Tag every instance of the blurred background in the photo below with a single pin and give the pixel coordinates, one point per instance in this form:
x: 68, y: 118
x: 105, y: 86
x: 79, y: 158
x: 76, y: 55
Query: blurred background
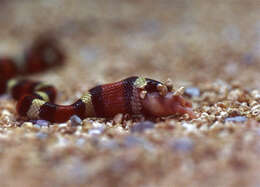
x: 186, y: 40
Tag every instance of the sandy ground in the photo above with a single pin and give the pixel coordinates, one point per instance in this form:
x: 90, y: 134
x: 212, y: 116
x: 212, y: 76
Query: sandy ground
x: 209, y: 47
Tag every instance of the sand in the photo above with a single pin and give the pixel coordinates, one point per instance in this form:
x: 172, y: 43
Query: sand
x: 211, y: 48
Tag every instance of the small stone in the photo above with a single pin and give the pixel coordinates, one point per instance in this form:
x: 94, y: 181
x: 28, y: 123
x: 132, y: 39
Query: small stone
x: 192, y: 92
x: 67, y: 130
x: 75, y: 120
x: 142, y: 126
x: 255, y: 94
x: 42, y: 123
x: 6, y: 112
x: 27, y: 124
x: 109, y: 144
x: 118, y: 118
x: 41, y: 135
x: 183, y: 144
x: 80, y: 142
x: 255, y: 110
x: 189, y: 127
x: 239, y: 119
x: 95, y: 131
x: 132, y: 141
x: 235, y: 94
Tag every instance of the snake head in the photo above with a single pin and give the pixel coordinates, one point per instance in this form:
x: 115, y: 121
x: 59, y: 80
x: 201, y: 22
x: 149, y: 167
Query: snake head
x: 156, y: 104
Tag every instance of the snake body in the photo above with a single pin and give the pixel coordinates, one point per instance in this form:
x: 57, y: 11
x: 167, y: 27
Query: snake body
x: 133, y: 95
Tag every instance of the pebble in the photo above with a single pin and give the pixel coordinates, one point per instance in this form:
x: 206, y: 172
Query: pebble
x: 132, y: 141
x: 75, y: 120
x: 41, y: 135
x: 6, y: 112
x: 98, y: 125
x: 239, y: 119
x: 42, y: 123
x: 80, y: 142
x: 95, y: 131
x: 192, y: 92
x: 109, y: 144
x: 142, y: 126
x: 190, y: 127
x: 182, y: 144
x: 118, y: 118
x: 27, y: 124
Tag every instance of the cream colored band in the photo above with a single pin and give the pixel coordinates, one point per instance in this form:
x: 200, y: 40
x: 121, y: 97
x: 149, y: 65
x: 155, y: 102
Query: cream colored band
x: 140, y: 82
x: 41, y: 85
x: 90, y: 111
x: 43, y: 95
x: 11, y: 83
x: 34, y: 110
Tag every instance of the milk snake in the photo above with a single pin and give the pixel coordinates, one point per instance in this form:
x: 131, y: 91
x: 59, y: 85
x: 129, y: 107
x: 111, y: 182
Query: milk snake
x: 133, y: 95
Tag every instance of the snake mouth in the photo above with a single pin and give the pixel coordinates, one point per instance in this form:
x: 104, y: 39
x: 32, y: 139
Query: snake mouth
x: 158, y: 105
x: 182, y: 106
x: 180, y: 109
